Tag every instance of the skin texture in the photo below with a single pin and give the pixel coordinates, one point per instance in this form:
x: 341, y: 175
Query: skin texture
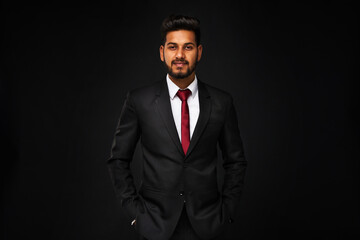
x: 180, y: 55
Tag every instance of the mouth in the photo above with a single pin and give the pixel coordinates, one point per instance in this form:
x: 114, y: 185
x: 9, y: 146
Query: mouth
x: 179, y: 64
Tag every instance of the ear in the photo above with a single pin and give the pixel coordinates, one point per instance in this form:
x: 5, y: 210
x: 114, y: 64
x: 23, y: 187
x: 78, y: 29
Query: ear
x: 161, y: 50
x: 199, y: 49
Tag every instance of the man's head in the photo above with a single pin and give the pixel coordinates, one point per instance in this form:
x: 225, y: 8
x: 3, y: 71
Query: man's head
x: 181, y: 48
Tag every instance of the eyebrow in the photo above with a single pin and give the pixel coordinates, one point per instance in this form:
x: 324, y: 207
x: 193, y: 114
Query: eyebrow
x: 188, y: 43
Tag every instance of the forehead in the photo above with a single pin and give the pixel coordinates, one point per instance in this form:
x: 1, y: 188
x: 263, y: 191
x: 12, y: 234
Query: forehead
x: 180, y: 36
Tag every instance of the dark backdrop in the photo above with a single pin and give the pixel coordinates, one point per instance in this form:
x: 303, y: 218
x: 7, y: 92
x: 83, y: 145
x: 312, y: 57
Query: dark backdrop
x: 291, y: 68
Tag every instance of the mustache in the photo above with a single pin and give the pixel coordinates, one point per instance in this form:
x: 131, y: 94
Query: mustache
x: 179, y: 61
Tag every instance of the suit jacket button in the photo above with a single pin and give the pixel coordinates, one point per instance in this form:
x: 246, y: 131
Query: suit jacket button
x: 181, y: 193
x: 231, y: 220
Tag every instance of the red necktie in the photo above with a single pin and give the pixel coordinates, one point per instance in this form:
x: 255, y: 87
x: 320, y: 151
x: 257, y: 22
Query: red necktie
x: 185, y: 123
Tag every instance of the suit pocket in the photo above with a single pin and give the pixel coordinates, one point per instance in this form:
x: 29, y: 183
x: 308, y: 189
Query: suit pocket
x: 153, y: 197
x: 206, y: 198
x: 148, y: 191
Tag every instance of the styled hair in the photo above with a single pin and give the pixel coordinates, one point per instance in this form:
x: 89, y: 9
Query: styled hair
x: 180, y: 22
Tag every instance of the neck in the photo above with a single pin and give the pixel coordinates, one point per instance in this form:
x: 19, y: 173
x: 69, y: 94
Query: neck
x: 183, y: 83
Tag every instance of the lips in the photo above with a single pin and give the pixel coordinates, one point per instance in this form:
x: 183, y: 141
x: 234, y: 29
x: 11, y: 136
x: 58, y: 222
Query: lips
x: 179, y: 63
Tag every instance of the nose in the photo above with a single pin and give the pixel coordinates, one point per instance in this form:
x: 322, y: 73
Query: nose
x: 180, y: 54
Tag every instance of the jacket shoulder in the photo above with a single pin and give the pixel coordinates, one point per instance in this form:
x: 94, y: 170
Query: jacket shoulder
x: 217, y: 93
x: 146, y: 90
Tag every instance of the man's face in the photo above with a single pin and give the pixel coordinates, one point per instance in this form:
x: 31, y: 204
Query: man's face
x: 180, y: 53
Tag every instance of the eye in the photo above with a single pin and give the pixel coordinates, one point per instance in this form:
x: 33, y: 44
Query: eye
x: 171, y: 47
x: 189, y: 47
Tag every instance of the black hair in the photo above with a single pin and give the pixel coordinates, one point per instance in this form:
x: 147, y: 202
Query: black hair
x: 180, y: 22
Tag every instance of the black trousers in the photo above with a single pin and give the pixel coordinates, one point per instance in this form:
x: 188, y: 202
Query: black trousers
x: 183, y: 230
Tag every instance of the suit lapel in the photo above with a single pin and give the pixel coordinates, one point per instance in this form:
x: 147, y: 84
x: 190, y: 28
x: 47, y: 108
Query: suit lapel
x: 163, y: 107
x: 205, y: 110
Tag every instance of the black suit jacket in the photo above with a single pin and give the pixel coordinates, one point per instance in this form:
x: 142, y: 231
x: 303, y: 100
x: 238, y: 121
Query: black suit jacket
x: 169, y: 176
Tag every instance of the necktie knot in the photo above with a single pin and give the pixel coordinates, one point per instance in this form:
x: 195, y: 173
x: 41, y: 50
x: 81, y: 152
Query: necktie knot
x: 183, y: 94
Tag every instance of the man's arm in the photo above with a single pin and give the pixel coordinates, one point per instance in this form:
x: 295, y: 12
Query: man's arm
x: 126, y: 137
x: 234, y: 160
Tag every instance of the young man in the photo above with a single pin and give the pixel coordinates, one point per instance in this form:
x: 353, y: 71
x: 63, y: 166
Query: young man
x: 180, y: 121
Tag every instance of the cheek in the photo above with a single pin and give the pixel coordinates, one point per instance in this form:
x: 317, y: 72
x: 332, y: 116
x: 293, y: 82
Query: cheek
x: 167, y: 57
x: 192, y: 58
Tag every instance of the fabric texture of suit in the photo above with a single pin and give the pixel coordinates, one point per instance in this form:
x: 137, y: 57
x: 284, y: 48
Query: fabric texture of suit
x: 169, y: 176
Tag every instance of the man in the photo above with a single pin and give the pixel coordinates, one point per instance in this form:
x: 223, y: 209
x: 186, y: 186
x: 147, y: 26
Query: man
x: 180, y: 121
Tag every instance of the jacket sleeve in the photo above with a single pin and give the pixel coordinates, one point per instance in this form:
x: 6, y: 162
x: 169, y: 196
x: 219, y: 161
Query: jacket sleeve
x: 126, y: 137
x: 234, y: 161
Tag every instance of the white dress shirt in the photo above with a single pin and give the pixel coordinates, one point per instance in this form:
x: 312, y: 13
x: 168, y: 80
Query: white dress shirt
x: 193, y: 103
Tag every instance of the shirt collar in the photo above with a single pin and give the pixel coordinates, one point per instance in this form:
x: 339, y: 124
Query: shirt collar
x: 173, y: 88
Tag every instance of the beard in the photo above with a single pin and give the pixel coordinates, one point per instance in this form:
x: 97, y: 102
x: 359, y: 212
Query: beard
x: 180, y: 75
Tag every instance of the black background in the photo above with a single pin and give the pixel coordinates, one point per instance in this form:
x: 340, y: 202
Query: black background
x: 292, y: 69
